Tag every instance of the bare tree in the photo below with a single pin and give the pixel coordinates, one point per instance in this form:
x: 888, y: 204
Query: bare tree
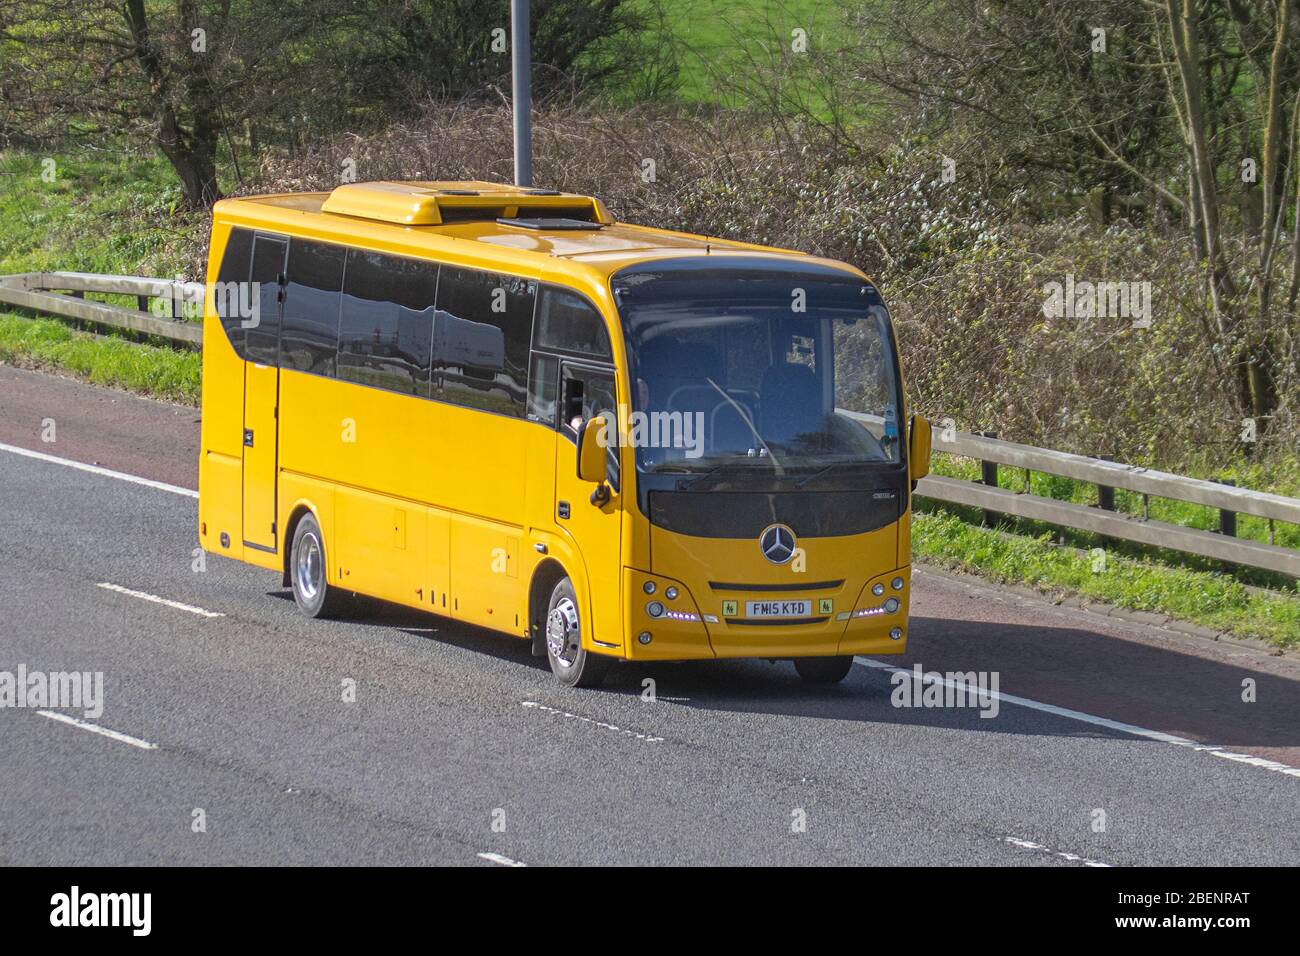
x: 1242, y: 287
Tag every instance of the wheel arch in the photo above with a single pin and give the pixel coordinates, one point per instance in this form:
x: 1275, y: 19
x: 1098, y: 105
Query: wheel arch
x: 546, y: 575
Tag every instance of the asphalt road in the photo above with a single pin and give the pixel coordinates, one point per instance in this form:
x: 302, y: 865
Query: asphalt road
x: 461, y: 749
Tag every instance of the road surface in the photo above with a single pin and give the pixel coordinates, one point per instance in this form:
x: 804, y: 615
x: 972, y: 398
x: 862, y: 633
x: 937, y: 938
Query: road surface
x: 1114, y: 743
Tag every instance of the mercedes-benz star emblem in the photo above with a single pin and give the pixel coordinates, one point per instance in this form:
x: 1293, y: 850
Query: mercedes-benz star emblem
x: 777, y: 543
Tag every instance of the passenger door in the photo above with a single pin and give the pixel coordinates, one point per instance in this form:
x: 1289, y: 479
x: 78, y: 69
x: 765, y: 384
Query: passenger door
x: 587, y: 391
x: 262, y: 393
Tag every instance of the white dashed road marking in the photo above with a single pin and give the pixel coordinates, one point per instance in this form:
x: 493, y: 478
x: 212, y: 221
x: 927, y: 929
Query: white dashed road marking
x: 1039, y: 848
x: 500, y: 860
x: 96, y: 729
x: 533, y: 705
x: 145, y: 596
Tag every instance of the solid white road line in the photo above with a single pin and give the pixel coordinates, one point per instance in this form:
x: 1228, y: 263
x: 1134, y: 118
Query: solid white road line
x: 96, y: 470
x: 1039, y: 848
x: 1106, y: 722
x: 500, y: 860
x: 96, y: 729
x: 144, y: 596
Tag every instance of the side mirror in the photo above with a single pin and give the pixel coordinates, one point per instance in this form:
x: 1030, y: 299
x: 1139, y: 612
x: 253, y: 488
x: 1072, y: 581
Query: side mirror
x: 591, y: 450
x: 918, y: 447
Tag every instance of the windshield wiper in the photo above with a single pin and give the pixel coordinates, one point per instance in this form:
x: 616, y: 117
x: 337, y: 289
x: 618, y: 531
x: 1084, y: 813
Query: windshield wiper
x: 823, y: 471
x: 744, y: 416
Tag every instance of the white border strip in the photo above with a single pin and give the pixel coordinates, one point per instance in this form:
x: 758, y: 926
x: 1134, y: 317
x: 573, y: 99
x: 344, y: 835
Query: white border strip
x: 96, y: 729
x: 1157, y: 735
x: 96, y: 470
x: 500, y: 860
x: 145, y: 596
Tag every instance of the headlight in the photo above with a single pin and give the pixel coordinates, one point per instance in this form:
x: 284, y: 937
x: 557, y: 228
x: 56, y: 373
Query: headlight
x: 648, y: 587
x: 655, y: 609
x: 897, y: 584
x: 671, y: 594
x: 891, y: 605
x: 877, y: 589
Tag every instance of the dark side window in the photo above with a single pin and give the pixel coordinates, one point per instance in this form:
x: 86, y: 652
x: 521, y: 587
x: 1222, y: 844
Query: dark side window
x: 387, y: 321
x: 566, y: 322
x: 309, y: 334
x: 263, y: 329
x: 232, y: 294
x: 481, y: 337
x: 587, y: 393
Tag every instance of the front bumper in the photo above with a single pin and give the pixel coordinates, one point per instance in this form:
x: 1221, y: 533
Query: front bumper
x: 844, y: 617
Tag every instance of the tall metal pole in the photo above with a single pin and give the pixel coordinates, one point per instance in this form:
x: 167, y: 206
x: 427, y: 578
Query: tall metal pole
x: 523, y: 93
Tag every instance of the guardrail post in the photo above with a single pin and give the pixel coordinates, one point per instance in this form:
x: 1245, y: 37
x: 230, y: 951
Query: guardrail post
x: 1106, y: 494
x: 989, y: 476
x: 1106, y: 500
x: 1227, y: 519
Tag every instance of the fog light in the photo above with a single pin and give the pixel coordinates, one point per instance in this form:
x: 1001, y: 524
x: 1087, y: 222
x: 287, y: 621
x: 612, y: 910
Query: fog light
x: 896, y: 633
x: 654, y: 609
x: 644, y: 637
x: 891, y: 605
x: 648, y: 587
x: 671, y: 594
x: 897, y: 584
x: 877, y: 589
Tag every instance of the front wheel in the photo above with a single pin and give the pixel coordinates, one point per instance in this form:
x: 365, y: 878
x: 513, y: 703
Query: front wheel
x: 572, y: 663
x: 823, y: 670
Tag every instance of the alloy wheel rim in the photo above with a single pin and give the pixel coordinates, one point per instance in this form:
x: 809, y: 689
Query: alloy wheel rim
x: 562, y: 633
x: 309, y: 566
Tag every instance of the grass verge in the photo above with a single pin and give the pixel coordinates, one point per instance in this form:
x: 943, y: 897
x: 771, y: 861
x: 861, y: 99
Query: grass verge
x: 1210, y: 599
x: 51, y: 344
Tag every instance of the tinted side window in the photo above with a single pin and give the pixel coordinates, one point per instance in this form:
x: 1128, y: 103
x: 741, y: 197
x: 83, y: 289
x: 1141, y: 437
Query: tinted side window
x: 309, y: 332
x: 543, y: 385
x: 263, y: 342
x: 481, y: 336
x: 233, y: 295
x: 586, y: 393
x: 387, y: 321
x: 567, y: 322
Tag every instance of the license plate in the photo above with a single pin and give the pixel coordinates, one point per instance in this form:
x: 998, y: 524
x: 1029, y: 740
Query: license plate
x: 778, y: 608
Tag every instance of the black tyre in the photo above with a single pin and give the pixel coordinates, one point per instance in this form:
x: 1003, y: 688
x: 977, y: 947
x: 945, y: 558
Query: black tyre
x: 823, y: 670
x: 311, y: 589
x: 571, y: 663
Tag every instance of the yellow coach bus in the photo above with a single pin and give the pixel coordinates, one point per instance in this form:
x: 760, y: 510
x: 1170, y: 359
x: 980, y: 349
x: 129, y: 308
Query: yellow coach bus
x: 502, y: 406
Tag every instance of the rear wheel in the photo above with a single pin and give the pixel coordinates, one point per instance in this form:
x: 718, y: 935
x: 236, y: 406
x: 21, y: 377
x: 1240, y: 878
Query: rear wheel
x: 571, y: 663
x: 823, y: 670
x: 311, y: 590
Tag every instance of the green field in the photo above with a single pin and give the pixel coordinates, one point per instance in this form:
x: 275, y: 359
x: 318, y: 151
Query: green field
x: 726, y: 50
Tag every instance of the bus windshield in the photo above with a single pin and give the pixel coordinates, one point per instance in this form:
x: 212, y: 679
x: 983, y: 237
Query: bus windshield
x: 744, y: 366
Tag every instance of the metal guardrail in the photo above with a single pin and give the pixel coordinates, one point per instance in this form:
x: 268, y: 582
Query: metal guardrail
x: 47, y: 292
